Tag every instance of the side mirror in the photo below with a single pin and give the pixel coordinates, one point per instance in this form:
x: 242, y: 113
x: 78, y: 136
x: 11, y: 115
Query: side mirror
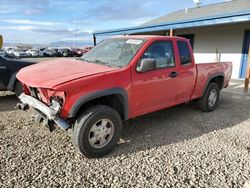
x: 146, y: 64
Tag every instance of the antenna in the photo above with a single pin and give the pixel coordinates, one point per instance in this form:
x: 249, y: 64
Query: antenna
x: 197, y: 2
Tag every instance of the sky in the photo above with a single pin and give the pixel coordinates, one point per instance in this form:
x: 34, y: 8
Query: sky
x: 49, y: 21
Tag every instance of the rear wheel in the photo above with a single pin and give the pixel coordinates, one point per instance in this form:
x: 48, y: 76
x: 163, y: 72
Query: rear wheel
x: 210, y: 99
x: 18, y: 88
x: 96, y: 131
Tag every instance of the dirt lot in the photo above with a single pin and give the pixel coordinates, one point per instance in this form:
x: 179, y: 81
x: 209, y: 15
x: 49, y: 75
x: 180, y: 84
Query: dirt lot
x: 177, y: 147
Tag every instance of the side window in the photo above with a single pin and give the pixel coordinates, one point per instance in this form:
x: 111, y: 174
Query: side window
x: 162, y: 52
x: 184, y: 52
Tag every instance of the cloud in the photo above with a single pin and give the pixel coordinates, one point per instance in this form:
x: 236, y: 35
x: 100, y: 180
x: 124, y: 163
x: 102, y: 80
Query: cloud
x: 53, y: 31
x: 33, y: 11
x: 66, y: 32
x: 18, y: 28
x: 30, y: 22
x: 5, y: 9
x: 38, y: 29
x: 124, y: 10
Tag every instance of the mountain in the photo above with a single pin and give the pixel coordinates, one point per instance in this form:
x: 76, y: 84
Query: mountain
x: 71, y: 43
x: 53, y: 44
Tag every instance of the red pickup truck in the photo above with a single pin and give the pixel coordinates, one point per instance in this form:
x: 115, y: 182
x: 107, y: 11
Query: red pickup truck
x: 119, y: 79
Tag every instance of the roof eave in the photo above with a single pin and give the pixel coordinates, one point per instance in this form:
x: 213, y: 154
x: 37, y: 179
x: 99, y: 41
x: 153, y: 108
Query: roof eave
x: 233, y: 17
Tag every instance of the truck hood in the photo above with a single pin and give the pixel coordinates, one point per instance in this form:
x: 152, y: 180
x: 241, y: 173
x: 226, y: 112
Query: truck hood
x: 49, y: 74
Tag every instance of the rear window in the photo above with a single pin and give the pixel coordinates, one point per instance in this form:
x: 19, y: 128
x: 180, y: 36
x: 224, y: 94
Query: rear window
x: 184, y: 52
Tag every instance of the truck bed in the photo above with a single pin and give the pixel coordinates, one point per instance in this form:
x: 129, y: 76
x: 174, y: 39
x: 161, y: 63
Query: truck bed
x: 205, y: 71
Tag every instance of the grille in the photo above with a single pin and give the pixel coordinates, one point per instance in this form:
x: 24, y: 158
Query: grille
x: 34, y: 92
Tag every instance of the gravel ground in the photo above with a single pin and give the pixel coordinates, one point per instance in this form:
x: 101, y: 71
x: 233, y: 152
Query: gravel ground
x: 177, y: 147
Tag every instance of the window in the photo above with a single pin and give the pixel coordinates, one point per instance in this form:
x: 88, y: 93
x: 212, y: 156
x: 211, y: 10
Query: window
x: 162, y: 52
x: 184, y: 52
x: 190, y: 37
x: 115, y: 52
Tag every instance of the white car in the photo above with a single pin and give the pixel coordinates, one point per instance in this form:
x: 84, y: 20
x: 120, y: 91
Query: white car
x: 8, y: 50
x: 33, y: 53
x: 17, y: 53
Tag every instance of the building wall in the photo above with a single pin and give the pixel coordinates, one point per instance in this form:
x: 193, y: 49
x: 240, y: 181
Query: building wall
x: 218, y: 43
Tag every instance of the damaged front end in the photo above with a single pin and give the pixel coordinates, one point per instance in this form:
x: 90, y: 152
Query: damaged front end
x: 48, y: 114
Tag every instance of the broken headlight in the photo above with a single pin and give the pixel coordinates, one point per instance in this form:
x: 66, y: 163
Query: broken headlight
x: 48, y: 96
x: 55, y: 106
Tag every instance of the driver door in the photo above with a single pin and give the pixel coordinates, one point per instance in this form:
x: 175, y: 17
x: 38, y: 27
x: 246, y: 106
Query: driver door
x: 3, y: 74
x: 156, y: 89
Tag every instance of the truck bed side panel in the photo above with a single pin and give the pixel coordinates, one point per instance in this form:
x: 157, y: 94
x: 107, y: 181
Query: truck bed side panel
x: 207, y: 71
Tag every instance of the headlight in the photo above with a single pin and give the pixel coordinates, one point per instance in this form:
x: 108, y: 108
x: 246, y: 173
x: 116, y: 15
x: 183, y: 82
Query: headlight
x: 49, y: 95
x: 55, y: 106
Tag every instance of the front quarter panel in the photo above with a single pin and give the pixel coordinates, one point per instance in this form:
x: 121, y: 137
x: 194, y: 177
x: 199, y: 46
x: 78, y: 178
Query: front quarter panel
x: 75, y: 90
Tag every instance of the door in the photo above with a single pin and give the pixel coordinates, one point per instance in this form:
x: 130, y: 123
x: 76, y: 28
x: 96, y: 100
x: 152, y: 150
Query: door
x: 245, y: 50
x: 187, y: 72
x: 3, y: 74
x: 155, y: 89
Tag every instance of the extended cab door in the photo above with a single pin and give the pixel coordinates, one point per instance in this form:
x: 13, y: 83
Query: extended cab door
x: 155, y: 89
x: 187, y: 71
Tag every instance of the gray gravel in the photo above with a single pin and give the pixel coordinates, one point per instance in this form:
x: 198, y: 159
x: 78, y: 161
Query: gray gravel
x: 177, y: 147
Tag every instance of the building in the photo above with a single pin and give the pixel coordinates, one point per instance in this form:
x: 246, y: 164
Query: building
x: 217, y: 32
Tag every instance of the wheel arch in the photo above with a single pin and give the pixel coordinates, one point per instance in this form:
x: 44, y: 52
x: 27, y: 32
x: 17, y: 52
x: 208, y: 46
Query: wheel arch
x: 217, y: 78
x: 116, y: 98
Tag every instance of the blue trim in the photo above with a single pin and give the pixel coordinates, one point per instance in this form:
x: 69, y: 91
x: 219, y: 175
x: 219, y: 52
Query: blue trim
x: 228, y: 18
x: 244, y: 57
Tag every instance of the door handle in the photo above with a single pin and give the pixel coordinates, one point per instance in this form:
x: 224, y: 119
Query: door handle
x: 173, y: 74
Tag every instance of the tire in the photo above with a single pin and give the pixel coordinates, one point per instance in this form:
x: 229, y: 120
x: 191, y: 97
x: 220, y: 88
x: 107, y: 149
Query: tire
x: 86, y: 129
x: 18, y: 88
x: 207, y: 102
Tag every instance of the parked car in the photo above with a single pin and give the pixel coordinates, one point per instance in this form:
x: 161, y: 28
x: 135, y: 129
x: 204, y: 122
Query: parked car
x: 17, y: 53
x: 59, y: 52
x: 48, y: 53
x: 65, y: 52
x: 8, y: 50
x: 119, y: 79
x: 2, y: 52
x: 8, y: 71
x: 88, y: 48
x: 78, y: 52
x: 41, y: 49
x: 33, y: 53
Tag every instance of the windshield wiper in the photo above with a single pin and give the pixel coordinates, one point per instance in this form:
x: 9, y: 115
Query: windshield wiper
x: 95, y: 61
x: 101, y: 62
x: 86, y: 60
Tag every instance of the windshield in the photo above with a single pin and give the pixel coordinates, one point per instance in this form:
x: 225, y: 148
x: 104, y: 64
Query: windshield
x: 50, y: 50
x: 116, y: 52
x: 17, y: 50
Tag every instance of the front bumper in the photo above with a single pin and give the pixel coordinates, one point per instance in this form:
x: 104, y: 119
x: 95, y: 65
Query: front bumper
x: 46, y: 111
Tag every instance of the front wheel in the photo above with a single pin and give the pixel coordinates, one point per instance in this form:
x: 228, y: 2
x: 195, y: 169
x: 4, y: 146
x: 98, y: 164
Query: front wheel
x: 96, y: 131
x: 209, y: 100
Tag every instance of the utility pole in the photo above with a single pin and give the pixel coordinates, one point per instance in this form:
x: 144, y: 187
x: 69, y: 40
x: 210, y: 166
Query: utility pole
x: 247, y: 78
x: 76, y: 34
